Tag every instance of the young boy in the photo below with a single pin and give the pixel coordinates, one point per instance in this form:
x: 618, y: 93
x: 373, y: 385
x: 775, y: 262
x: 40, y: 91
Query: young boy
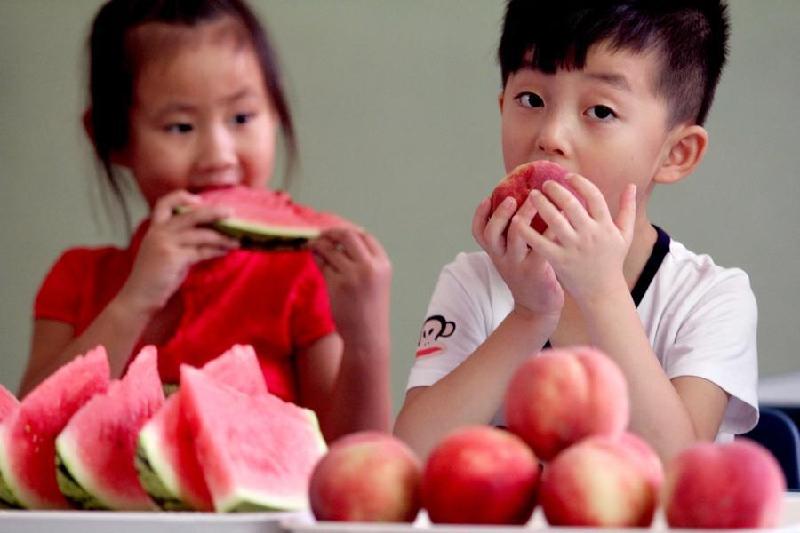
x: 616, y: 92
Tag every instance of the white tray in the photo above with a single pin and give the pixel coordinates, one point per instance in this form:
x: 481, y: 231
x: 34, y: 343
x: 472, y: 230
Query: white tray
x: 306, y: 524
x: 118, y: 522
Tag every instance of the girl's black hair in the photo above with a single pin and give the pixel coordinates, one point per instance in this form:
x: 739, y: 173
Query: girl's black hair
x: 691, y: 37
x: 113, y: 67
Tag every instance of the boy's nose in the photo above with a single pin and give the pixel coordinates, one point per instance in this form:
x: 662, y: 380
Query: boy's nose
x: 552, y: 138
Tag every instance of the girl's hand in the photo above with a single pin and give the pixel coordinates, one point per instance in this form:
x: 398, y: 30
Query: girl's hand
x: 359, y: 277
x: 172, y: 244
x: 532, y: 281
x: 586, y: 246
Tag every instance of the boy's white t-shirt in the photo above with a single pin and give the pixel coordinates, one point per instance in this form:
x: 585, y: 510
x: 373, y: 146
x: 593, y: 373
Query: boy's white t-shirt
x: 700, y: 319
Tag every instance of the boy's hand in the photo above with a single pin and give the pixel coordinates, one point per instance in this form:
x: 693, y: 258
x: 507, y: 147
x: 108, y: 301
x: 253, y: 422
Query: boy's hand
x: 531, y: 279
x: 358, y: 273
x: 585, y: 246
x: 172, y: 244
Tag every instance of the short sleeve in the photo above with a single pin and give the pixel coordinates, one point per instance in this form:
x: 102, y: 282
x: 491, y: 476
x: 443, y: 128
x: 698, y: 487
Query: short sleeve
x: 717, y: 342
x: 455, y: 323
x: 311, y: 317
x: 58, y: 297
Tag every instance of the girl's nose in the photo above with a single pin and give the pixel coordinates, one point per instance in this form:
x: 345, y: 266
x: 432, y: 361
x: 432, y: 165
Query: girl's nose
x: 216, y: 156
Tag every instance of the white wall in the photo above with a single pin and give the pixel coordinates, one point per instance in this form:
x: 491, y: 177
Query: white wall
x: 395, y: 103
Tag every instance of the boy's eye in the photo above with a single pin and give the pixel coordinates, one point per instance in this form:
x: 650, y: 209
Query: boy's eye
x: 529, y: 99
x: 179, y: 127
x: 601, y: 112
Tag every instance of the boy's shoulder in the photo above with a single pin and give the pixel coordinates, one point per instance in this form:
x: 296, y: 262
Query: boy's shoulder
x: 687, y: 278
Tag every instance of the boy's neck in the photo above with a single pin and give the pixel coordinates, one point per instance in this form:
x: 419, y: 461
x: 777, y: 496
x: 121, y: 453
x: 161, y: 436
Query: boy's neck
x: 644, y: 237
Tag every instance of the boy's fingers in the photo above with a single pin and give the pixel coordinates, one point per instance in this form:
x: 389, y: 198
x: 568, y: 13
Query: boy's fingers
x: 626, y: 216
x: 568, y: 203
x: 479, y: 220
x: 554, y: 219
x: 595, y: 202
x: 517, y: 246
x: 498, y: 222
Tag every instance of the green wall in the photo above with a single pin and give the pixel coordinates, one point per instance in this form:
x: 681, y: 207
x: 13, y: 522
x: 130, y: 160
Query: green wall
x: 396, y: 106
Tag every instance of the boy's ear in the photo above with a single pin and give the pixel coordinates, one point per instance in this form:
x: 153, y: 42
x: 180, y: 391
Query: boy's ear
x: 500, y: 101
x: 686, y: 147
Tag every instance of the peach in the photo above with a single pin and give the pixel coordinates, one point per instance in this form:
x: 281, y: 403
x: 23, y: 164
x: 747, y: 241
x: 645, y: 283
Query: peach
x: 366, y: 477
x: 602, y: 481
x: 526, y: 177
x: 561, y: 396
x: 731, y: 485
x: 480, y: 475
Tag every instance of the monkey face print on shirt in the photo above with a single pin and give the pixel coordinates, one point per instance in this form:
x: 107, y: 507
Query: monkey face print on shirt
x: 435, y: 327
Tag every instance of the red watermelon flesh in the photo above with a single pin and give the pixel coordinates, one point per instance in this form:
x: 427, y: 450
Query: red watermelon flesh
x: 257, y: 452
x: 28, y: 434
x: 268, y: 219
x: 166, y: 459
x: 8, y: 403
x: 526, y: 177
x: 97, y: 448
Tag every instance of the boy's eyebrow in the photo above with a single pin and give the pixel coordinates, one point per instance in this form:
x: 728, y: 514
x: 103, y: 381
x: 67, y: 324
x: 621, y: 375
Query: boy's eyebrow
x: 616, y: 80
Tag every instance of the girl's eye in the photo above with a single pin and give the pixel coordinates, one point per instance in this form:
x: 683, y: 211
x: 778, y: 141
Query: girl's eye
x: 601, y: 112
x: 179, y: 127
x: 529, y: 99
x: 242, y: 118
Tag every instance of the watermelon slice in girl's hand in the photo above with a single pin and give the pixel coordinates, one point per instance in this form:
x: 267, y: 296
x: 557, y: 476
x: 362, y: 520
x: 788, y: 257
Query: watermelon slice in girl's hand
x: 28, y: 433
x: 8, y: 402
x: 268, y: 220
x: 95, y: 451
x: 257, y: 451
x: 165, y: 458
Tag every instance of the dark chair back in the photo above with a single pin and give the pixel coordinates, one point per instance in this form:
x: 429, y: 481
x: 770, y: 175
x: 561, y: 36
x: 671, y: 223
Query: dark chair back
x: 778, y: 433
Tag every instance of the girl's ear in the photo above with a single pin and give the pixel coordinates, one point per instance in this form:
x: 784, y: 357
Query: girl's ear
x: 685, y: 148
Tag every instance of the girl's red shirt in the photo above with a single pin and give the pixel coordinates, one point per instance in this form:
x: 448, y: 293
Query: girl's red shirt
x: 275, y: 301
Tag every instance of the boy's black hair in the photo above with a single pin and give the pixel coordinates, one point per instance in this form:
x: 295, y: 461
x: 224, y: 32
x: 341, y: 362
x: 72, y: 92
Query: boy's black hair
x: 691, y: 37
x: 113, y: 64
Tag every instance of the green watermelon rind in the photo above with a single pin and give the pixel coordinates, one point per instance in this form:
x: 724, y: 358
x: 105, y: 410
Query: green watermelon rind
x: 71, y: 478
x: 158, y: 479
x: 8, y: 489
x: 257, y: 236
x: 248, y: 501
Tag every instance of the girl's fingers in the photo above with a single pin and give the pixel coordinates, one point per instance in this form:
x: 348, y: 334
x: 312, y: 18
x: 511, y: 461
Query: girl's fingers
x: 328, y: 252
x: 569, y: 205
x: 206, y: 237
x: 350, y: 243
x: 595, y: 202
x: 166, y: 206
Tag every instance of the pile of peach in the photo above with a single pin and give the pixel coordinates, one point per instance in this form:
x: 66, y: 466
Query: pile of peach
x: 566, y: 449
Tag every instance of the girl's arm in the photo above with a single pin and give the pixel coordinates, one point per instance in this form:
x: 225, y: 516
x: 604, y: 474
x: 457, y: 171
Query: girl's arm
x: 171, y: 245
x: 351, y: 392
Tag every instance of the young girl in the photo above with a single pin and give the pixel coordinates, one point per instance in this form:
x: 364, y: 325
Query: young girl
x: 186, y: 95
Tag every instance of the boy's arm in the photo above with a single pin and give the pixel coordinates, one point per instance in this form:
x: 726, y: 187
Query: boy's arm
x: 474, y: 391
x: 588, y: 253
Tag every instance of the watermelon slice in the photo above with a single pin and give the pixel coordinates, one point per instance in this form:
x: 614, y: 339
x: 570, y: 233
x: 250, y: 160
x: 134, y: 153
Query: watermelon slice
x: 95, y: 452
x: 257, y: 452
x: 28, y: 434
x: 268, y: 220
x: 166, y: 460
x: 8, y: 403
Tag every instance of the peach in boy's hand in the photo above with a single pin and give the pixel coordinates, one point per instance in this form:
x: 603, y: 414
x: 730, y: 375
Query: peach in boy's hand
x: 527, y: 177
